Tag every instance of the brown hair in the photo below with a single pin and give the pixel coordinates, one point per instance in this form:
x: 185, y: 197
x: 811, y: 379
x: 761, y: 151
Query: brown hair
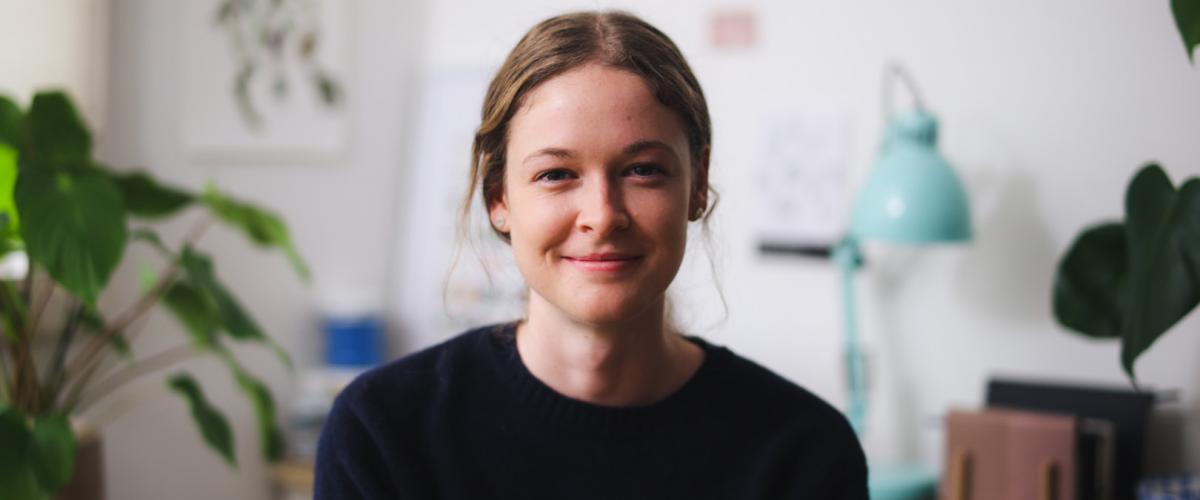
x: 613, y: 38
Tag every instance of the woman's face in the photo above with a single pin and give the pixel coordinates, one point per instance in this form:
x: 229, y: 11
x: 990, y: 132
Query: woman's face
x: 598, y: 186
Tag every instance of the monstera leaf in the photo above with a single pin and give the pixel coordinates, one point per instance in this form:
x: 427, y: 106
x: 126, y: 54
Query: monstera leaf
x: 1137, y: 279
x: 1187, y: 18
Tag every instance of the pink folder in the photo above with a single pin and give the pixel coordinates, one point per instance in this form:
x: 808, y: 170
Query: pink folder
x: 1009, y: 455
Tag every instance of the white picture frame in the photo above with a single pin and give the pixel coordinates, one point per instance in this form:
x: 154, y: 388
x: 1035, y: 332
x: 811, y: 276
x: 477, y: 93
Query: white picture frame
x: 297, y: 128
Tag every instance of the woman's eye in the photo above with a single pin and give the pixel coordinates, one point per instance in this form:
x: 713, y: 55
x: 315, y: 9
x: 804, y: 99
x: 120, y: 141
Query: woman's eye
x: 556, y: 175
x: 646, y: 170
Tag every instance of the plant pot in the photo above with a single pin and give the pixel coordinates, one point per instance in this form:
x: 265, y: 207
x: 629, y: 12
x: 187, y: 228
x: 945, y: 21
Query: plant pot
x: 87, y: 482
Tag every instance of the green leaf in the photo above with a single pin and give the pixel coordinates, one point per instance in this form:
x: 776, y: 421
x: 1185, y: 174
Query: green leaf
x: 270, y: 436
x: 8, y: 181
x: 212, y: 424
x: 10, y: 123
x: 15, y: 435
x: 53, y: 452
x: 1163, y: 230
x: 151, y: 237
x: 144, y: 197
x: 57, y: 134
x: 260, y: 226
x: 1187, y: 19
x: 74, y: 226
x: 233, y: 317
x: 17, y: 478
x: 21, y: 484
x: 1090, y: 287
x: 196, y: 311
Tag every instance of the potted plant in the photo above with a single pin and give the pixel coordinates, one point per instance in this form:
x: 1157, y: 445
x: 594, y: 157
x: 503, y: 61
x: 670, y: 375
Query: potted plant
x: 73, y: 217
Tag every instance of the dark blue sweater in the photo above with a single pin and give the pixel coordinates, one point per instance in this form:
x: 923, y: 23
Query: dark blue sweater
x: 466, y: 420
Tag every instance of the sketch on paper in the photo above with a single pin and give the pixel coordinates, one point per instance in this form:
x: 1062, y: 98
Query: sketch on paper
x: 262, y: 79
x: 801, y: 179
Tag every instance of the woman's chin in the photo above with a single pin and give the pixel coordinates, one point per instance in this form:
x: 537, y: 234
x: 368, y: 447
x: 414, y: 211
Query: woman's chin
x: 609, y: 309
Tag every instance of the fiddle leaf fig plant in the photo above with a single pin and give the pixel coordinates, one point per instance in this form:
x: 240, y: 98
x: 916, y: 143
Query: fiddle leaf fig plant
x: 72, y: 218
x: 1135, y: 279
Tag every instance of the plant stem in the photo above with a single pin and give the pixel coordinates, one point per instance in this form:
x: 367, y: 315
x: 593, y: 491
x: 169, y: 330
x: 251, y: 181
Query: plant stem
x: 15, y: 323
x: 68, y: 405
x: 36, y: 310
x: 54, y: 373
x: 28, y: 361
x: 89, y: 359
x: 132, y: 371
x: 5, y: 389
x: 90, y: 356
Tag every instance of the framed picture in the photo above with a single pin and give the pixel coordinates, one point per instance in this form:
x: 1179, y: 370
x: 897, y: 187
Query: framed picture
x: 263, y: 80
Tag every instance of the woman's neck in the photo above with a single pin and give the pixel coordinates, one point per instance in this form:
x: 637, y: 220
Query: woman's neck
x: 634, y: 363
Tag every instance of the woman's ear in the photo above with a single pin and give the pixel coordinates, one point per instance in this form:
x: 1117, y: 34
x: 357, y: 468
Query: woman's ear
x: 698, y: 201
x: 498, y: 214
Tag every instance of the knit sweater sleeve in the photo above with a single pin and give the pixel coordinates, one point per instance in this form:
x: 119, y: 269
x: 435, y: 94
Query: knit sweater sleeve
x: 839, y: 462
x: 350, y: 464
x: 849, y: 478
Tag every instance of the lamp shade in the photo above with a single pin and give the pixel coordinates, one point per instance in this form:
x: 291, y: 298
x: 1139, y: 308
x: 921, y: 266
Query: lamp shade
x: 912, y: 195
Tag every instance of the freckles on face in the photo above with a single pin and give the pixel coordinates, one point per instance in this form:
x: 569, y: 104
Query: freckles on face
x: 597, y: 185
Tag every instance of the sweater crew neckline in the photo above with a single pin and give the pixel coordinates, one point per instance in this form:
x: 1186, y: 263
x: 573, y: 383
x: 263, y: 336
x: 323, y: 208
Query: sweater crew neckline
x: 532, y: 398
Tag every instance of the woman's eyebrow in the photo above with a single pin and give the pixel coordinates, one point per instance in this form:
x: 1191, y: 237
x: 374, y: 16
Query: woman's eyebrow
x: 630, y: 150
x: 640, y: 146
x: 559, y: 153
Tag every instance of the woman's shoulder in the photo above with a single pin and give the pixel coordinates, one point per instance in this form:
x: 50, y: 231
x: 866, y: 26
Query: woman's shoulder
x: 757, y: 387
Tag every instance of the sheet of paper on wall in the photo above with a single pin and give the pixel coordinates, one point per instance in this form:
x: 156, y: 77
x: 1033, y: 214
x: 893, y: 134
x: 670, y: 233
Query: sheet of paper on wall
x: 446, y: 117
x: 801, y: 179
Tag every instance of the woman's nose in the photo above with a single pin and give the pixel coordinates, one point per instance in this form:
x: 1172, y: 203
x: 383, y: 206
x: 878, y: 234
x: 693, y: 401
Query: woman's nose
x: 602, y: 209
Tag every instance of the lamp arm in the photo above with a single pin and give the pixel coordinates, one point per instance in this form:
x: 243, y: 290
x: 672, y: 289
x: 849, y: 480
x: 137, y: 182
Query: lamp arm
x: 848, y: 258
x: 893, y: 72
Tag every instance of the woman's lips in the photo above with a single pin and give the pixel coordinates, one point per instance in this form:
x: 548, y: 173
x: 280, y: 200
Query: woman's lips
x: 604, y: 262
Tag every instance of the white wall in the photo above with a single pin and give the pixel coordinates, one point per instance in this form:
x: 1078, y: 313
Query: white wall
x: 1047, y: 108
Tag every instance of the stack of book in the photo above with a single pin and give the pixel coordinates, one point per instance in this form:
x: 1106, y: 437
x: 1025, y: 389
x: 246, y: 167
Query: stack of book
x: 1047, y: 442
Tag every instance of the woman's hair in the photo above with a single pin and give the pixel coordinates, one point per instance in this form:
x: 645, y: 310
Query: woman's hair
x: 554, y: 46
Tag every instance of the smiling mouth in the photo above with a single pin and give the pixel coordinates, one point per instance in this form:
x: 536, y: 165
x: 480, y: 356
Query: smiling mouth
x: 604, y: 263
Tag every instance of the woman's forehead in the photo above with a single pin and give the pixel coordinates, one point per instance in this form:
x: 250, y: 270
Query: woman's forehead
x: 593, y: 106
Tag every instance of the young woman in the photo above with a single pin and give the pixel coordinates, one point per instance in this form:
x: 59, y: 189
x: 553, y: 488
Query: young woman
x: 592, y: 160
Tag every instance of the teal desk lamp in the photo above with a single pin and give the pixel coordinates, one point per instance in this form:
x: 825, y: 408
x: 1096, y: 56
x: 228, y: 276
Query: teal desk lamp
x: 912, y: 196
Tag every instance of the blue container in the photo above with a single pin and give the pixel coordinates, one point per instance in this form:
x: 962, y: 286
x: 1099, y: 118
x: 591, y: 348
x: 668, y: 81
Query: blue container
x: 353, y: 342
